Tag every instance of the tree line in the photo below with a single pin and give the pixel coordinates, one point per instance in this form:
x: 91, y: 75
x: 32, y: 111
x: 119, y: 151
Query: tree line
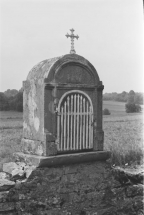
x: 137, y: 98
x: 13, y: 99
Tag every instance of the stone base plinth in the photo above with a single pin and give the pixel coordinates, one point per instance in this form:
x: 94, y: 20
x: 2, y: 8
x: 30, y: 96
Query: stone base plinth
x: 90, y: 188
x: 65, y: 159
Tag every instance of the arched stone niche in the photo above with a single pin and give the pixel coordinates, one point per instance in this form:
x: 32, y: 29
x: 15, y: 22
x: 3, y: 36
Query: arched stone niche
x: 46, y: 84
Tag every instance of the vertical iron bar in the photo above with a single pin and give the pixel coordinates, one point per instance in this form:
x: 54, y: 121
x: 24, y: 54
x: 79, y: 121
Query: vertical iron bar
x: 84, y: 123
x: 91, y: 143
x: 68, y: 126
x: 58, y: 131
x: 80, y: 122
x: 71, y: 144
x: 64, y: 126
x: 61, y: 145
x: 74, y: 144
x: 87, y: 125
x: 78, y: 108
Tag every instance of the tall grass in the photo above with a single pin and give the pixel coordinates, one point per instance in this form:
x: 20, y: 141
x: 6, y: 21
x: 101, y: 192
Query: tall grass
x: 123, y: 134
x: 10, y: 135
x: 125, y: 141
x: 9, y: 143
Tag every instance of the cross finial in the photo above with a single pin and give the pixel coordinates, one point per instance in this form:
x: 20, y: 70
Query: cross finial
x: 72, y: 36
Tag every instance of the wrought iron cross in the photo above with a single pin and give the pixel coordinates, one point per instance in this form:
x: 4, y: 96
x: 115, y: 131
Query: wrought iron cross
x: 72, y: 36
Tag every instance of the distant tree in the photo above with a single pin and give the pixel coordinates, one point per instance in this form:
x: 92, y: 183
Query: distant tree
x: 131, y: 92
x: 16, y: 103
x: 106, y: 96
x: 138, y: 98
x: 11, y: 100
x: 114, y: 96
x: 124, y: 96
x: 106, y: 112
x: 132, y: 108
x: 4, y: 105
x: 131, y: 96
x: 138, y: 108
x: 124, y: 93
x: 21, y: 89
x: 10, y: 93
x: 110, y: 96
x: 12, y: 104
x: 121, y: 97
x: 19, y: 99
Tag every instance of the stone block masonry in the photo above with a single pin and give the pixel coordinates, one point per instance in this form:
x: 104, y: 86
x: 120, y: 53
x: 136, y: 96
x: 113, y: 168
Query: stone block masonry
x: 62, y: 107
x: 90, y: 188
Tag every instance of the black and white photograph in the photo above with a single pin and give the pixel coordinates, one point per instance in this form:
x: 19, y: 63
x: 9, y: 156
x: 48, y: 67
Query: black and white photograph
x: 71, y: 107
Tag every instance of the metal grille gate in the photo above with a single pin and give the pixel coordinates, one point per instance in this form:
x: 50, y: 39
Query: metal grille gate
x: 75, y: 122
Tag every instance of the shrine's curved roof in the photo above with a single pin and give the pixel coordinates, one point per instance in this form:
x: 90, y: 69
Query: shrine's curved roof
x: 42, y: 69
x: 45, y: 68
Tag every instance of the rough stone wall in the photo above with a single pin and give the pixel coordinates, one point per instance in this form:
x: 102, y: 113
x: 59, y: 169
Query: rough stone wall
x: 33, y: 125
x: 41, y: 98
x: 33, y: 118
x: 81, y: 189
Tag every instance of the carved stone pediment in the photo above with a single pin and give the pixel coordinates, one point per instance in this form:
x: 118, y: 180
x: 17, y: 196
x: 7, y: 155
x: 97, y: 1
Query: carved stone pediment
x: 74, y: 74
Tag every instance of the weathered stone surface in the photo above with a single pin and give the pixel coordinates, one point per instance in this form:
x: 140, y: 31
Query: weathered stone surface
x: 4, y: 175
x: 65, y: 159
x: 33, y: 147
x: 29, y: 170
x: 46, y: 83
x: 125, y: 176
x: 6, y: 184
x: 20, y: 173
x: 9, y: 167
x: 86, y: 188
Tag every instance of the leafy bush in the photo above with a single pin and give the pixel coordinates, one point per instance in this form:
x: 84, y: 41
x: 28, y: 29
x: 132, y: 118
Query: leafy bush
x: 106, y: 112
x: 132, y: 108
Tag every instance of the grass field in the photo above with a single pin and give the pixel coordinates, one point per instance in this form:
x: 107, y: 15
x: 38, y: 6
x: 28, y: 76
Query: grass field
x: 10, y: 135
x: 123, y: 134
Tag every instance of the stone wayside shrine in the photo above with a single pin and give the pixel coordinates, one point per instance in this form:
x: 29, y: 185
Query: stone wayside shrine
x: 62, y: 109
x: 62, y: 168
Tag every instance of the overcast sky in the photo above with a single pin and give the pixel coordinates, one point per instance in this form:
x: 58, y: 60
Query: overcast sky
x: 110, y: 37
